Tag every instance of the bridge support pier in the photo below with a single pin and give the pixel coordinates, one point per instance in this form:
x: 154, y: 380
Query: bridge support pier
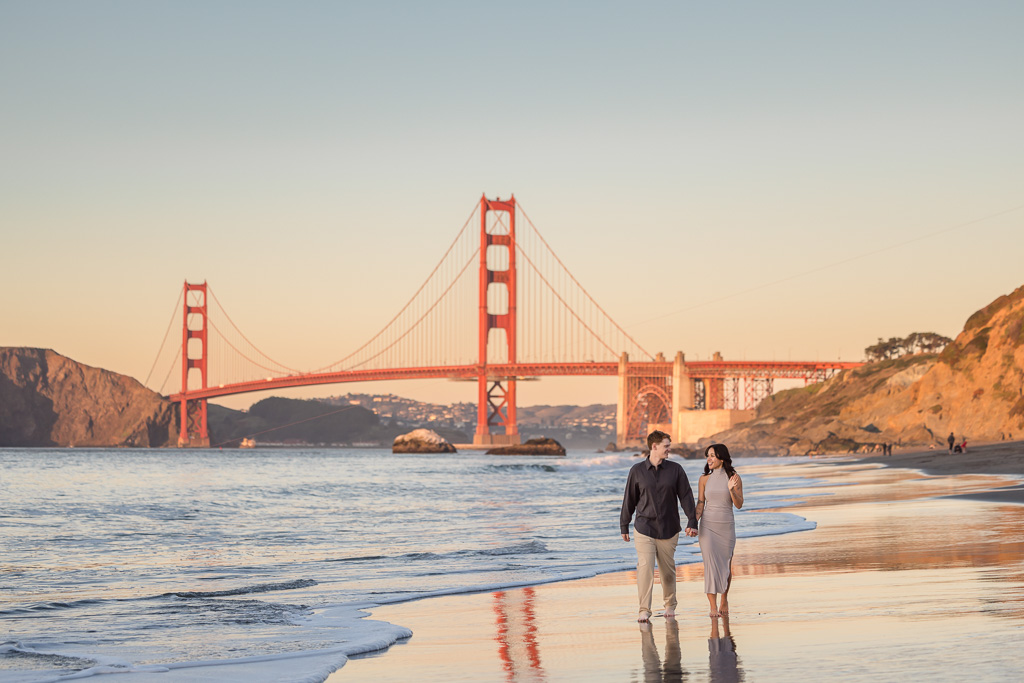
x: 621, y: 418
x: 496, y: 408
x: 194, y: 430
x: 682, y: 395
x: 694, y: 425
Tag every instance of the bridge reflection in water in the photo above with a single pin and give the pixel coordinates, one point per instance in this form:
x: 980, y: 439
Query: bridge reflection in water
x: 516, y: 635
x: 518, y: 639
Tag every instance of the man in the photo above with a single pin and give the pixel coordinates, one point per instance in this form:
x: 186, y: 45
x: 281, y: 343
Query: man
x: 652, y: 489
x: 951, y: 440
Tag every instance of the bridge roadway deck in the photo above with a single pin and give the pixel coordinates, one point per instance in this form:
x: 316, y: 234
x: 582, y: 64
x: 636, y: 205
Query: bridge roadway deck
x: 696, y: 370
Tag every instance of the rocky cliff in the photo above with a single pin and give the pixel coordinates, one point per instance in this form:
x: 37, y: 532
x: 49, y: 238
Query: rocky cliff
x: 974, y: 388
x: 47, y: 399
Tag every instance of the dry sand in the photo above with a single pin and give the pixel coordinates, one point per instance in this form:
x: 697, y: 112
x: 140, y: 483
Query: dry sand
x: 903, y: 579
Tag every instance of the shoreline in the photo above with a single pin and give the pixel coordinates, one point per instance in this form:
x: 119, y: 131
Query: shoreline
x: 1000, y: 457
x: 1004, y: 458
x: 867, y: 575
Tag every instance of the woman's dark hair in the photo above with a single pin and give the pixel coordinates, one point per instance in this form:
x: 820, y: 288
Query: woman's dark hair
x: 722, y: 453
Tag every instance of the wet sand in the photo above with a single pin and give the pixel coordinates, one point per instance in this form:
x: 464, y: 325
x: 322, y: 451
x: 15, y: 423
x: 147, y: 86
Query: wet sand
x: 898, y: 581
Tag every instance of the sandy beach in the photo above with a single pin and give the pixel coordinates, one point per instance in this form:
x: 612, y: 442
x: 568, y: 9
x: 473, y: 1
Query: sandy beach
x: 915, y: 572
x: 1004, y: 457
x: 993, y: 458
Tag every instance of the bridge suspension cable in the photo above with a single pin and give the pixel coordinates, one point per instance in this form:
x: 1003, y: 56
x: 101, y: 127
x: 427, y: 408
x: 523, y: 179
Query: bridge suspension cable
x: 244, y: 355
x: 242, y: 335
x: 624, y: 341
x: 421, y: 318
x: 560, y: 321
x: 575, y: 315
x: 171, y: 369
x: 458, y: 246
x: 174, y: 314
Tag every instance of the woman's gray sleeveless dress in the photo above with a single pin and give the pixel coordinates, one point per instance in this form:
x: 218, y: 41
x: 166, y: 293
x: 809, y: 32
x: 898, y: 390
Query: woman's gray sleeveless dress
x: 717, y: 532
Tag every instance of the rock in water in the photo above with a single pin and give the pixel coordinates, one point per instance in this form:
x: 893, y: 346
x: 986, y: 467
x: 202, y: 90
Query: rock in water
x: 540, y: 446
x: 421, y: 441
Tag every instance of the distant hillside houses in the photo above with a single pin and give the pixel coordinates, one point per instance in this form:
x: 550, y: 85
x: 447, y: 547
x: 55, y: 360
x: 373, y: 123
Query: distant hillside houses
x: 592, y: 423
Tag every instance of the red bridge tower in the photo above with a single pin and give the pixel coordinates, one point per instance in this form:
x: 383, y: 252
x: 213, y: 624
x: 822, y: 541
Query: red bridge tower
x: 497, y: 394
x: 194, y: 429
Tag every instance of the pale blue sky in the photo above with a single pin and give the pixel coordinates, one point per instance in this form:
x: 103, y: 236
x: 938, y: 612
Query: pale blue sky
x: 672, y: 153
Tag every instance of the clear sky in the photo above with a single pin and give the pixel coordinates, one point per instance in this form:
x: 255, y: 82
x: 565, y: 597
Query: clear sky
x: 771, y: 180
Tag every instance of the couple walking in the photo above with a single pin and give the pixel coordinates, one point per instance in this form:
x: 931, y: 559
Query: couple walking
x: 652, y: 489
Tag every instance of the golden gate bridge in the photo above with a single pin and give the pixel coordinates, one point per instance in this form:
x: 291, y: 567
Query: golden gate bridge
x: 518, y: 315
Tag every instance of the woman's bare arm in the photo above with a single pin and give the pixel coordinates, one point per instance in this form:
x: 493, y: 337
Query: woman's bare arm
x: 736, y: 490
x: 700, y: 495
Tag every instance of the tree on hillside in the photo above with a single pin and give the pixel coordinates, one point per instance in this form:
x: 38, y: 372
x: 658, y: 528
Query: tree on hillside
x: 916, y: 342
x: 927, y: 342
x: 884, y: 349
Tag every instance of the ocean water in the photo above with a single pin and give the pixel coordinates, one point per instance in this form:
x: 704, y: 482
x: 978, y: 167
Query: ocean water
x: 175, y: 561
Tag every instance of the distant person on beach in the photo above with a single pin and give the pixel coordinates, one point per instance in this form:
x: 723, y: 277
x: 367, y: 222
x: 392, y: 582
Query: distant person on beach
x: 652, y: 489
x: 718, y: 490
x: 963, y: 446
x: 951, y: 440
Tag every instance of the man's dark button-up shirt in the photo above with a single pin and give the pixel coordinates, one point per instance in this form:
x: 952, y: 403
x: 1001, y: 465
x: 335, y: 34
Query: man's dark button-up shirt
x: 652, y: 493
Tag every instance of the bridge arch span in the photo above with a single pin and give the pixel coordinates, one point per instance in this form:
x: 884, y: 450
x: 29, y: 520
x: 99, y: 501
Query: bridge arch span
x: 649, y: 408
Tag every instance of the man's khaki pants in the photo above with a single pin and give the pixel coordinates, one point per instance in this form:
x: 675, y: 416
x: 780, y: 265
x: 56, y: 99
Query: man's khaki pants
x: 647, y: 549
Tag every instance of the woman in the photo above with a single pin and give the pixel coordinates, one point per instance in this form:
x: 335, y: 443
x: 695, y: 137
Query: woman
x: 718, y: 490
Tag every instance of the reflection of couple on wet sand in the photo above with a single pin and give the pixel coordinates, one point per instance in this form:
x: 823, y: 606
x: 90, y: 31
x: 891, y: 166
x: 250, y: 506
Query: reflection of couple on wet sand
x: 722, y: 654
x: 723, y: 664
x: 653, y: 489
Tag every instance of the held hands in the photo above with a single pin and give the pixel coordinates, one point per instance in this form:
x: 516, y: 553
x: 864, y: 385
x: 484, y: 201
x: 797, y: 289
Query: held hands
x: 689, y: 532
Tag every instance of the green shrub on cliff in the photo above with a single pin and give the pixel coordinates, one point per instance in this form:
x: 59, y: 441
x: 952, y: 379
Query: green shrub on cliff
x: 914, y: 343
